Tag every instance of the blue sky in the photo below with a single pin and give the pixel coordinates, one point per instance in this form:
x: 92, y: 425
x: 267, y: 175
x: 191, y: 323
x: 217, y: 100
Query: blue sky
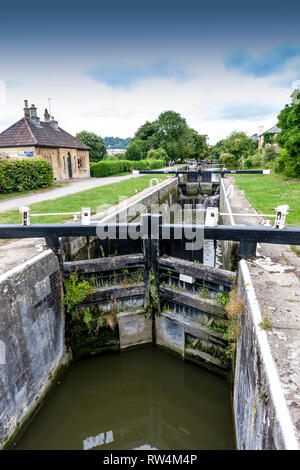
x: 109, y: 66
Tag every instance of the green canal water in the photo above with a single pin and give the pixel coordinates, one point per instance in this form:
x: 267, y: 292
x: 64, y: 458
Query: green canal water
x: 142, y: 399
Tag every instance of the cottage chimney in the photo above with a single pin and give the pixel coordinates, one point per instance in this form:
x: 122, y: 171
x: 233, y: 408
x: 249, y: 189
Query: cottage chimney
x: 26, y: 110
x: 260, y: 130
x: 54, y: 123
x: 33, y: 113
x: 46, y: 116
x: 260, y: 137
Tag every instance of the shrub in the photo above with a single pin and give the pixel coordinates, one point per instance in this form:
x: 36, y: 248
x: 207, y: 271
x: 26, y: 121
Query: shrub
x: 248, y: 163
x: 228, y: 160
x: 137, y: 150
x: 257, y: 159
x: 269, y: 153
x: 158, y: 154
x: 280, y: 161
x: 23, y: 175
x: 110, y: 158
x: 108, y: 168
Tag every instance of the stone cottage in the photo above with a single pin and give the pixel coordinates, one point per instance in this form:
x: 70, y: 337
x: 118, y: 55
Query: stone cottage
x: 31, y: 138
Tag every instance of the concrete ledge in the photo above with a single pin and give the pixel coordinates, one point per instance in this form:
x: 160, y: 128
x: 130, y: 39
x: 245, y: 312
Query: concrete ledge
x: 203, y: 356
x: 135, y: 329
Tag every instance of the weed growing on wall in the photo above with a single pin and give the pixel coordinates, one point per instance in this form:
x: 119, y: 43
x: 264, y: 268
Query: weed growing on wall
x: 234, y: 310
x: 266, y: 324
x: 76, y: 290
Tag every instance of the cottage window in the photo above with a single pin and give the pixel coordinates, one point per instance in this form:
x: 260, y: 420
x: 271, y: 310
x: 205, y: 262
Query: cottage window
x: 80, y: 162
x: 64, y: 162
x: 75, y: 163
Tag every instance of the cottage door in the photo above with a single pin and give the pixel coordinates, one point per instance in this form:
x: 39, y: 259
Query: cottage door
x: 69, y: 166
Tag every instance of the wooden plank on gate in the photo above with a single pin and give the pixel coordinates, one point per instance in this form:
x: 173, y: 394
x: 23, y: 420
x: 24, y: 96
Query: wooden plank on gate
x: 192, y: 300
x: 111, y: 263
x: 117, y: 292
x: 197, y: 270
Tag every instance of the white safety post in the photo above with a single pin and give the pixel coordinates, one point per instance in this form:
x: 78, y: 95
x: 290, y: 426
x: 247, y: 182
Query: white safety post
x: 85, y: 216
x: 281, y: 213
x: 25, y: 211
x: 212, y: 215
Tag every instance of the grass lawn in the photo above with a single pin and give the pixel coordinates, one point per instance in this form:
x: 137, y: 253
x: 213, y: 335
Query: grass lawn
x: 101, y: 197
x: 268, y: 191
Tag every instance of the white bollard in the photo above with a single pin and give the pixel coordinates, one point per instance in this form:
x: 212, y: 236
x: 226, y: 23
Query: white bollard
x: 212, y: 215
x: 281, y: 213
x: 25, y: 211
x: 85, y: 216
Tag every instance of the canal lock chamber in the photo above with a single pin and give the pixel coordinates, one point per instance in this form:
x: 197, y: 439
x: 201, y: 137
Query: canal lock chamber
x: 115, y: 299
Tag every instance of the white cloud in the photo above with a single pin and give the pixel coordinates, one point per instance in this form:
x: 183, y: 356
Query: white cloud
x: 82, y: 103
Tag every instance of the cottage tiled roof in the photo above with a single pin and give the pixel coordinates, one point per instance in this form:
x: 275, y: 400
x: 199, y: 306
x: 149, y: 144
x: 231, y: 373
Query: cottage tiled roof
x: 26, y: 133
x: 274, y: 130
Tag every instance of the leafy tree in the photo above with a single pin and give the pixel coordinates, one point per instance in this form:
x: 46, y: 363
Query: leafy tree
x: 269, y: 153
x: 237, y: 144
x: 228, y: 160
x: 170, y: 133
x: 289, y: 140
x: 199, y: 147
x: 146, y: 131
x: 98, y: 149
x: 268, y: 138
x: 137, y: 150
x: 116, y: 142
x: 158, y: 154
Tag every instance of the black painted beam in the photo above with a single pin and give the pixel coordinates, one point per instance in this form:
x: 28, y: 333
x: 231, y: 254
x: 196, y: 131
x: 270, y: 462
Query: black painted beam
x: 180, y: 172
x: 63, y: 230
x: 259, y: 234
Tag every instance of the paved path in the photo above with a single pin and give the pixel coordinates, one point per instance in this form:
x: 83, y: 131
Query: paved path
x: 71, y: 188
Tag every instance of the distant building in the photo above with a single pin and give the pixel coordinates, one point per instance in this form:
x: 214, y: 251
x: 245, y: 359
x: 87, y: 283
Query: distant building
x: 31, y: 138
x: 115, y: 151
x: 274, y: 131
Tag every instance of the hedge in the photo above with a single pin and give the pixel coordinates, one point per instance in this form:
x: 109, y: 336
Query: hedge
x: 107, y: 168
x: 22, y: 175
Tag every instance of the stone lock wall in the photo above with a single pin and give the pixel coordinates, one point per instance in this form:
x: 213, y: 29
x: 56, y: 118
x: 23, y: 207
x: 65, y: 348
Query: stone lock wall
x: 32, y: 330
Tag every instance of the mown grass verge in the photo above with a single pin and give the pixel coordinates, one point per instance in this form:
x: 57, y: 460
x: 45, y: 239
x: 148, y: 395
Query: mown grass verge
x: 97, y: 199
x: 268, y: 191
